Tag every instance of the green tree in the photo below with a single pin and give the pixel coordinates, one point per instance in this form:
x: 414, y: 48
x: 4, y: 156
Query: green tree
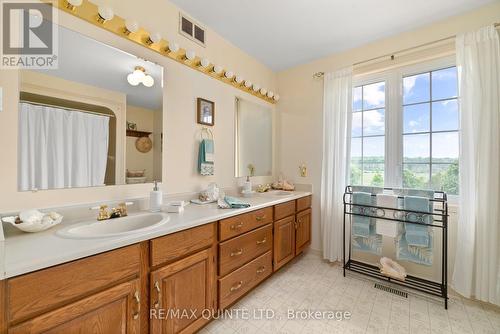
x: 378, y: 180
x: 355, y: 175
x: 411, y: 180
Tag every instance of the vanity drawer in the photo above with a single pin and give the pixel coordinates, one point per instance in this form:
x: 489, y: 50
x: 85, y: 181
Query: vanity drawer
x: 284, y: 210
x: 176, y: 245
x: 303, y: 203
x: 41, y: 291
x: 234, y: 226
x: 236, y: 284
x: 238, y: 251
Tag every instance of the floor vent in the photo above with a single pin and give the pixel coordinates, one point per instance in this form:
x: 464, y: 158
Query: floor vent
x: 391, y: 290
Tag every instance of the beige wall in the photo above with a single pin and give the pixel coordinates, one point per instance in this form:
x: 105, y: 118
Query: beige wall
x: 300, y: 107
x: 181, y: 88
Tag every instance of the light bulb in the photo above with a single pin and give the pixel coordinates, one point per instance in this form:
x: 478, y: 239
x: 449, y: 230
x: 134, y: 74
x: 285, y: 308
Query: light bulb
x: 105, y: 14
x: 248, y: 84
x: 218, y: 69
x: 229, y: 74
x: 139, y: 74
x: 276, y: 97
x: 71, y: 4
x: 173, y: 47
x: 148, y: 81
x: 255, y: 88
x: 190, y: 54
x: 263, y: 91
x: 133, y: 80
x: 131, y: 26
x: 205, y: 62
x: 270, y: 94
x: 154, y: 38
x: 238, y: 80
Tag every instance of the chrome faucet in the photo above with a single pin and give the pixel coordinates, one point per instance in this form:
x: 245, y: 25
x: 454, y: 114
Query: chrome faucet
x: 117, y: 212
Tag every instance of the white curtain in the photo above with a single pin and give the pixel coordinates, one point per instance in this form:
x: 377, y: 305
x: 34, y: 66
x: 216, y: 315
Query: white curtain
x: 477, y: 268
x: 61, y: 148
x: 337, y: 103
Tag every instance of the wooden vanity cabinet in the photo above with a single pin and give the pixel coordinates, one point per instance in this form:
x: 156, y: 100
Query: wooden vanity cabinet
x: 284, y: 241
x: 303, y: 231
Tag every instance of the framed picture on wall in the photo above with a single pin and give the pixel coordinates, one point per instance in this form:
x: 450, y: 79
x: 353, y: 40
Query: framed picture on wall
x: 205, y: 112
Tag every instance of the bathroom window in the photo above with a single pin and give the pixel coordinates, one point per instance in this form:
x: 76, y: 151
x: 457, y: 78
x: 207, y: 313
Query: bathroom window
x: 405, y: 126
x: 368, y: 135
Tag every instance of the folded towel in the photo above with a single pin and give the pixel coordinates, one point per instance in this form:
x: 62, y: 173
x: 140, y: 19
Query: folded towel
x: 420, y: 255
x: 361, y: 225
x: 235, y: 203
x: 417, y: 235
x: 387, y: 227
x: 371, y: 244
x: 206, y: 157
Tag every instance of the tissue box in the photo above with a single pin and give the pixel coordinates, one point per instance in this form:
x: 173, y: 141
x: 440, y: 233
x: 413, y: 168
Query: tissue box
x: 174, y: 209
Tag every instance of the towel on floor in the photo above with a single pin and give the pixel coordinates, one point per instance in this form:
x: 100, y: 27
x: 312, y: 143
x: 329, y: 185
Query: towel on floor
x: 387, y: 227
x: 360, y: 225
x: 206, y: 157
x: 235, y: 203
x: 417, y: 235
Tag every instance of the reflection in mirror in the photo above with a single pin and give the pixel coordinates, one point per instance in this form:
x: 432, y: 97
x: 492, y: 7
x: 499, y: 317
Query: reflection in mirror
x: 95, y: 120
x: 254, y: 139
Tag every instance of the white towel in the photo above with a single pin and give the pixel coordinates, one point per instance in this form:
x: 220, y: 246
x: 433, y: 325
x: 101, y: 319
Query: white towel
x: 387, y: 227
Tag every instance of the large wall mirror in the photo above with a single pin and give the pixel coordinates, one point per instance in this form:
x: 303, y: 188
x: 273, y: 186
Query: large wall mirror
x: 95, y: 120
x: 254, y: 139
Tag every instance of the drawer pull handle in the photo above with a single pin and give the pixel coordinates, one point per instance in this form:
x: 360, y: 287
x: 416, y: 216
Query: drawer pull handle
x: 237, y: 286
x: 260, y: 218
x: 263, y: 241
x: 135, y: 316
x: 157, y: 288
x: 261, y: 270
x: 237, y: 226
x: 236, y: 253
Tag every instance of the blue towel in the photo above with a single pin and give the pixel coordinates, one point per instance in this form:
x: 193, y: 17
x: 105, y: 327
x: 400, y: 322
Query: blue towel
x: 420, y: 255
x: 361, y: 225
x: 206, y: 157
x: 417, y: 235
x: 235, y: 203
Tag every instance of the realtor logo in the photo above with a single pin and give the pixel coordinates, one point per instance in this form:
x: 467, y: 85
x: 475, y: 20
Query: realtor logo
x: 29, y: 34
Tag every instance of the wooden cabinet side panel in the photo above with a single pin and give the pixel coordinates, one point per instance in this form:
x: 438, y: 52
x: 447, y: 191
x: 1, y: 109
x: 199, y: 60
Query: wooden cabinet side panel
x: 303, y: 236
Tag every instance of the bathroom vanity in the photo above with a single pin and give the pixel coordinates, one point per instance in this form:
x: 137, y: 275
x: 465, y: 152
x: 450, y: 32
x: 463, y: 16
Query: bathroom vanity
x: 195, y: 266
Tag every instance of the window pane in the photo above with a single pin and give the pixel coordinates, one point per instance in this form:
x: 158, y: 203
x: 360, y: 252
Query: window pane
x: 445, y: 147
x: 374, y: 96
x: 445, y: 115
x: 373, y: 122
x: 445, y: 178
x: 416, y: 88
x: 416, y: 176
x: 356, y: 124
x: 444, y: 83
x: 373, y: 149
x: 416, y: 118
x: 356, y: 150
x: 355, y: 178
x: 373, y: 174
x: 416, y: 148
x: 357, y: 100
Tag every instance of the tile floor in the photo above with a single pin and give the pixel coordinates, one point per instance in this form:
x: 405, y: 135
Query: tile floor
x: 310, y: 283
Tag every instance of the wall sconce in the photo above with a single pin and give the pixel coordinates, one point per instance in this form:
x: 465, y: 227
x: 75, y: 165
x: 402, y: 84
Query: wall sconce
x: 104, y: 14
x: 204, y: 62
x: 172, y: 47
x: 255, y: 88
x: 263, y: 91
x: 154, y: 38
x: 248, y: 84
x: 229, y: 74
x: 270, y: 94
x: 72, y: 4
x: 276, y: 97
x: 139, y: 76
x: 218, y: 69
x: 238, y: 80
x: 190, y: 55
x: 131, y: 26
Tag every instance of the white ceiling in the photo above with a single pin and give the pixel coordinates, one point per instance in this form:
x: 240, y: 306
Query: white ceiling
x: 90, y: 62
x: 285, y: 33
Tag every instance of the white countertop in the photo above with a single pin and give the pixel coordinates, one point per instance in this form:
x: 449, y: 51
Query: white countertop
x: 27, y: 252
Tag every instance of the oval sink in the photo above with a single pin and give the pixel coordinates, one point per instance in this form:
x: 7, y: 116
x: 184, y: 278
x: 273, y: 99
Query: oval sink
x: 280, y: 193
x: 114, y: 227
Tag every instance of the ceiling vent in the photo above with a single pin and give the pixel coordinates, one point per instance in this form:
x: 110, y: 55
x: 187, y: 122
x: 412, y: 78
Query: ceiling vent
x: 191, y: 29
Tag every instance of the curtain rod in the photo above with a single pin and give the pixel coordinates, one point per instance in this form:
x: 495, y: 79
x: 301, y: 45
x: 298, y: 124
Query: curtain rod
x: 318, y: 75
x: 66, y: 108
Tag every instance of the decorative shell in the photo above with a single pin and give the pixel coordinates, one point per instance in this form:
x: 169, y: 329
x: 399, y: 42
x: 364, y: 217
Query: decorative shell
x: 34, y: 221
x: 143, y: 144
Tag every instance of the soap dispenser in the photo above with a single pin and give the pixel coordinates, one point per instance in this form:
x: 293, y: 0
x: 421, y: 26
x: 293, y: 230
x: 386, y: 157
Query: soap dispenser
x: 155, y: 199
x: 247, y: 186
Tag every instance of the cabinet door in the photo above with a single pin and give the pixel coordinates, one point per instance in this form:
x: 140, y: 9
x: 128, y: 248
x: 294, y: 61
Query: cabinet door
x: 284, y: 241
x: 303, y: 233
x: 115, y: 310
x: 182, y: 293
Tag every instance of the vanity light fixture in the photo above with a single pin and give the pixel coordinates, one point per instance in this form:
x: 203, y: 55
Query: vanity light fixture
x: 248, y: 84
x: 218, y: 69
x: 104, y: 14
x: 172, y: 47
x: 229, y: 74
x: 255, y: 88
x: 276, y: 97
x: 190, y: 55
x: 263, y: 91
x: 270, y: 94
x: 72, y: 4
x: 139, y: 76
x: 131, y: 26
x: 238, y: 80
x: 204, y: 62
x: 154, y: 38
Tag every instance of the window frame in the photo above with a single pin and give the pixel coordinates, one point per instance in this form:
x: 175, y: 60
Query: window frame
x: 393, y: 77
